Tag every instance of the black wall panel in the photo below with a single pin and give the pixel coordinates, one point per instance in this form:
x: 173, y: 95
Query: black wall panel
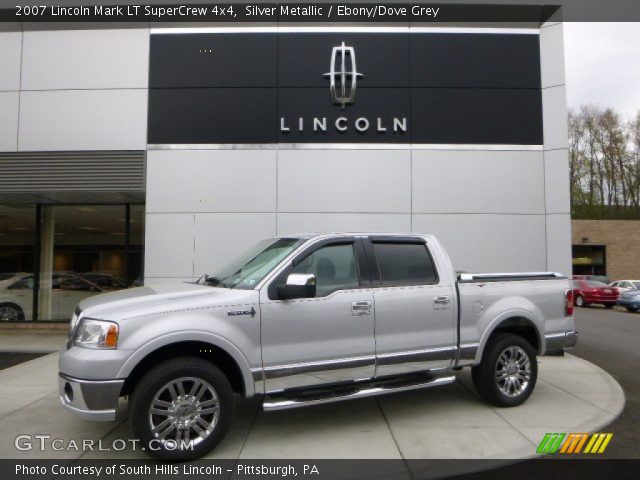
x: 212, y: 115
x: 475, y: 60
x: 454, y: 88
x: 482, y: 116
x: 213, y: 60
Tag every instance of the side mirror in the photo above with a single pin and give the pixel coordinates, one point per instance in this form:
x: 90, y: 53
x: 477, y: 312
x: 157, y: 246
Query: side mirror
x: 299, y: 285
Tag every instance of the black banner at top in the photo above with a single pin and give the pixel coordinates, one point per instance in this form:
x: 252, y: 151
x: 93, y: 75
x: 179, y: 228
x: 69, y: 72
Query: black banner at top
x: 447, y: 11
x: 276, y: 12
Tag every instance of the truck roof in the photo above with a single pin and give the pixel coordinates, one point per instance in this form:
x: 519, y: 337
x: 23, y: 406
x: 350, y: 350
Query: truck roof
x: 308, y: 236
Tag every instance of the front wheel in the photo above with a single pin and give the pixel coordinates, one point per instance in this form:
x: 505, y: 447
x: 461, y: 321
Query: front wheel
x: 609, y: 305
x: 10, y: 313
x: 508, y: 372
x: 182, y: 409
x: 631, y: 309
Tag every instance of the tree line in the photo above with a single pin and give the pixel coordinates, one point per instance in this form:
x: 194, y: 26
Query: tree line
x: 604, y: 159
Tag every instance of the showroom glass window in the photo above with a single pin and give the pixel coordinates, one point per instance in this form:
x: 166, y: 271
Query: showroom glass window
x: 17, y: 254
x: 54, y: 256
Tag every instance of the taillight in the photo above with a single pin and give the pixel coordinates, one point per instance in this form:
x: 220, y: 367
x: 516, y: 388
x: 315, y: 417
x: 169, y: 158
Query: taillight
x: 568, y: 303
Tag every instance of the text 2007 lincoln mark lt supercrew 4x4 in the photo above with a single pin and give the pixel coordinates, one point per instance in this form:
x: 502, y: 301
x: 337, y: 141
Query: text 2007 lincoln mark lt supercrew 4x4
x: 304, y: 320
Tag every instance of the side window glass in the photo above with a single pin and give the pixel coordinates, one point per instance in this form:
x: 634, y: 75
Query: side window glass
x: 25, y: 283
x: 334, y: 267
x: 403, y: 264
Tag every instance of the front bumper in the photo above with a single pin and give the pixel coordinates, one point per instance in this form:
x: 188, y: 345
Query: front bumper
x: 560, y: 341
x: 95, y: 400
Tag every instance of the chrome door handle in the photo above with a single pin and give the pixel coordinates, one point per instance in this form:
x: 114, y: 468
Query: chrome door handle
x: 443, y: 300
x: 360, y: 309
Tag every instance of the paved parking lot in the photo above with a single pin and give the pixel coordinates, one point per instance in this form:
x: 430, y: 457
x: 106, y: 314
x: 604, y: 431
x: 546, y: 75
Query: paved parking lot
x: 445, y: 422
x: 611, y: 340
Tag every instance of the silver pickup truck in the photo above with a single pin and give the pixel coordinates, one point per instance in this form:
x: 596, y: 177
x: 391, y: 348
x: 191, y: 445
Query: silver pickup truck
x: 304, y: 320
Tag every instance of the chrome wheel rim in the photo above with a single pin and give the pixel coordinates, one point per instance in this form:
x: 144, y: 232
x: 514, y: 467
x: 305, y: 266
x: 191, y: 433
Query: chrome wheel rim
x: 513, y: 371
x: 579, y: 301
x: 9, y: 314
x: 184, y: 412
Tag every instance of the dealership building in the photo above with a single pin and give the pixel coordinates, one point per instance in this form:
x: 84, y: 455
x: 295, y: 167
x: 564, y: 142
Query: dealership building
x: 143, y: 153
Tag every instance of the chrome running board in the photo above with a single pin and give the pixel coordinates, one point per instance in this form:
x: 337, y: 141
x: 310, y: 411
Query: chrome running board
x: 338, y: 394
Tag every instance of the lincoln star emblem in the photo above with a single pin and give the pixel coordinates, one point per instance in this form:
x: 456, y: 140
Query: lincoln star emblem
x: 343, y: 75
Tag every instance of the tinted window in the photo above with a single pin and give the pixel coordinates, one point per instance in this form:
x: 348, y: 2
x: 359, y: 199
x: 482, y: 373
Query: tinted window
x: 334, y: 267
x: 405, y: 264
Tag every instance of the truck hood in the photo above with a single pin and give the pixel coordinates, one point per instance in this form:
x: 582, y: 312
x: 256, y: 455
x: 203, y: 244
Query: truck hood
x: 162, y: 298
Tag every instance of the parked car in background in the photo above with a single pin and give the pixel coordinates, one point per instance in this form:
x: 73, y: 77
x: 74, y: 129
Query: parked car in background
x: 587, y: 292
x: 105, y: 280
x: 596, y: 278
x: 16, y: 295
x: 626, y: 285
x: 630, y: 300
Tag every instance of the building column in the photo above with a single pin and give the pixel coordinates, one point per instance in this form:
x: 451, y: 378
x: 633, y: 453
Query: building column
x: 47, y: 239
x: 556, y: 152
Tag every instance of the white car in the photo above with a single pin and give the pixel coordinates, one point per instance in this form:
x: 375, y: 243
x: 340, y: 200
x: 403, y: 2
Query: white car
x: 626, y: 285
x: 67, y: 290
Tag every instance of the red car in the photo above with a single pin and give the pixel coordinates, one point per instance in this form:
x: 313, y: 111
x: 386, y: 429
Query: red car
x: 586, y: 292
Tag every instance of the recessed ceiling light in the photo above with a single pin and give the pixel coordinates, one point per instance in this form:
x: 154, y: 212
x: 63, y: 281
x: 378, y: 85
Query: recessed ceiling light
x: 88, y: 229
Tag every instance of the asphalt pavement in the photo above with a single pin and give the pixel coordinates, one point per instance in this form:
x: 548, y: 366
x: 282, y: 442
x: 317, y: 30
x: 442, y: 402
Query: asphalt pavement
x: 611, y: 340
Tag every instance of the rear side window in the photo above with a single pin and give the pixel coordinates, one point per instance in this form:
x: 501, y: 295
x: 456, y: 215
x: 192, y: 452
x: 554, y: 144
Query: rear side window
x: 405, y: 264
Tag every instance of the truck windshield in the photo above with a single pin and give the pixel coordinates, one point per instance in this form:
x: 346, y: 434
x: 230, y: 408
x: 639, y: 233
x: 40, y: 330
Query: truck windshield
x: 246, y: 271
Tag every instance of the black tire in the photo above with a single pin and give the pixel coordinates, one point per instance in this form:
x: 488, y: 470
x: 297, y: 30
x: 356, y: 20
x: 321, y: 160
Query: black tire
x: 484, y: 374
x: 609, y: 306
x: 155, y: 381
x: 580, y: 301
x: 631, y: 309
x: 10, y: 312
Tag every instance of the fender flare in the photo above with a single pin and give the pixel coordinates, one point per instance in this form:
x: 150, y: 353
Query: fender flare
x: 191, y: 336
x: 495, y: 323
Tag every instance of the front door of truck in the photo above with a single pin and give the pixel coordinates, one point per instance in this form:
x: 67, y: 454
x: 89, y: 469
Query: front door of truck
x: 415, y: 309
x: 325, y: 339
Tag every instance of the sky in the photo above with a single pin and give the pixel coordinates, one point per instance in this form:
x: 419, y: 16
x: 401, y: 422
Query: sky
x: 603, y: 65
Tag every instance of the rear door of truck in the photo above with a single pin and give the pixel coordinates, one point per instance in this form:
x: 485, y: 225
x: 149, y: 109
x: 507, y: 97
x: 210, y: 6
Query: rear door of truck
x: 415, y: 308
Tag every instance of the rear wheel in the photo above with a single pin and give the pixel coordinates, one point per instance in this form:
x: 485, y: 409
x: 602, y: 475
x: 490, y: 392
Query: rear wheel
x: 609, y: 305
x: 632, y: 309
x: 579, y: 301
x: 508, y: 372
x: 182, y: 409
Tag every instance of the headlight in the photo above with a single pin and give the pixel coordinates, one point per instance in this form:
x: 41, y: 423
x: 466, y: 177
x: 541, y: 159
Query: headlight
x: 96, y: 334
